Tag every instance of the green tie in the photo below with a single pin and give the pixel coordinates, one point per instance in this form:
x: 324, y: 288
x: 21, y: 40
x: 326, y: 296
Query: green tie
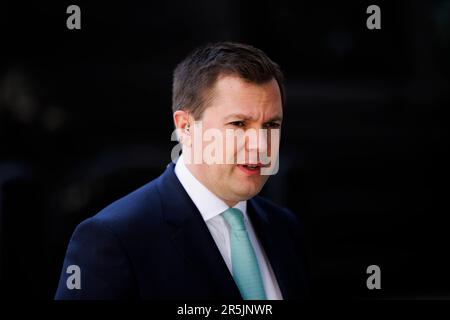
x: 245, y: 267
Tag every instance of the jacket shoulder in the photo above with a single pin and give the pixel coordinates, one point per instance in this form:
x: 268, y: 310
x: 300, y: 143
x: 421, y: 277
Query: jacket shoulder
x: 139, y: 210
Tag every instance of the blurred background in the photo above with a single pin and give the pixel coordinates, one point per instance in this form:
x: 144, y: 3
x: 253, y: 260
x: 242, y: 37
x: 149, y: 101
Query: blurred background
x: 85, y: 118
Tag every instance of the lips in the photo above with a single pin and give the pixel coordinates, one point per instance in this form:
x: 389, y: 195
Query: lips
x: 251, y: 169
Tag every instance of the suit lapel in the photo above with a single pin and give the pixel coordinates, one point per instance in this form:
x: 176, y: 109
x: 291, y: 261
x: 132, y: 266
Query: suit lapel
x: 279, y: 249
x: 193, y: 239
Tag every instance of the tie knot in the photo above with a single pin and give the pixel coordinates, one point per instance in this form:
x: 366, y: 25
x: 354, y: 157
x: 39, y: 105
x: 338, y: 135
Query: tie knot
x: 235, y: 219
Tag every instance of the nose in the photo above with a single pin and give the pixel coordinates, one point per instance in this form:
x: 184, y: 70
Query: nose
x: 257, y: 146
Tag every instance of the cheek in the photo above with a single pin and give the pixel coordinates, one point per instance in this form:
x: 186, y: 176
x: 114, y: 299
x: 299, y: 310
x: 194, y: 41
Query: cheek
x: 222, y: 172
x: 231, y: 171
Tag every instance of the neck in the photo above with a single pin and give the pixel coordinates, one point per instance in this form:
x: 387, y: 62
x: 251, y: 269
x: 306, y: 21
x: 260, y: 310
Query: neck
x: 230, y: 203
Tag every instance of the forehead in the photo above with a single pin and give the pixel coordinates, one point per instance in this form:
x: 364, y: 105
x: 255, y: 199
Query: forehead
x: 232, y: 94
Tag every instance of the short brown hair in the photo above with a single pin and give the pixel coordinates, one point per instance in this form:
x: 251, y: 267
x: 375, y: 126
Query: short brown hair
x: 199, y: 71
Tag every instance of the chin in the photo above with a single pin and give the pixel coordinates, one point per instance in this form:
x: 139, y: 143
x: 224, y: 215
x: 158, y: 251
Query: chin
x: 248, y: 192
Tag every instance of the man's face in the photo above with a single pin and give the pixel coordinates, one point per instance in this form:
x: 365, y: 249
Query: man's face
x: 237, y: 104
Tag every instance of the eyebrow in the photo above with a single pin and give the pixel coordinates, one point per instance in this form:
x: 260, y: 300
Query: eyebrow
x: 246, y: 117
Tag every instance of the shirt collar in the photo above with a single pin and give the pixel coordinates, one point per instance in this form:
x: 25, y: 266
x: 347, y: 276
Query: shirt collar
x: 206, y: 202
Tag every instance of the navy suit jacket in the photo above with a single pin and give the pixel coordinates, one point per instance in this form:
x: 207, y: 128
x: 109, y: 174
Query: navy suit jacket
x: 154, y: 244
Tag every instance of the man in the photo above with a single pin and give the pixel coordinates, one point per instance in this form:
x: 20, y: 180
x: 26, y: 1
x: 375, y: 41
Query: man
x: 200, y: 231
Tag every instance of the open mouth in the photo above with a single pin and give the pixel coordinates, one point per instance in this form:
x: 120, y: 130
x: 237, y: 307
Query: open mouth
x: 251, y: 169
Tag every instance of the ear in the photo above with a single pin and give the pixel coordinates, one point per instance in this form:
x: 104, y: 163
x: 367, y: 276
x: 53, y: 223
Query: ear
x: 182, y: 120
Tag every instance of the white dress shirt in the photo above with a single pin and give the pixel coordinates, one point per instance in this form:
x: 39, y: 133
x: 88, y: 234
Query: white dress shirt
x: 211, y: 207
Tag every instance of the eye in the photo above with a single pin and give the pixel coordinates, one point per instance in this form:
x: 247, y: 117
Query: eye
x: 239, y: 124
x: 272, y: 125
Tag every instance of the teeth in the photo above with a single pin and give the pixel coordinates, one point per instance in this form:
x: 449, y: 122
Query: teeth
x: 251, y: 167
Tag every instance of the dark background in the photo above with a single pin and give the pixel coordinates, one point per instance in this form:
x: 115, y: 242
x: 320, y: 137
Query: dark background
x: 85, y: 118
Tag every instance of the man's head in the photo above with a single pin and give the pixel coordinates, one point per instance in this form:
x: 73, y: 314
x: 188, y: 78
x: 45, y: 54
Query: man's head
x: 223, y: 87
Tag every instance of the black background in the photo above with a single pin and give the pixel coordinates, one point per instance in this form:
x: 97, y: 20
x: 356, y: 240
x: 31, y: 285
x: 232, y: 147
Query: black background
x: 85, y: 118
